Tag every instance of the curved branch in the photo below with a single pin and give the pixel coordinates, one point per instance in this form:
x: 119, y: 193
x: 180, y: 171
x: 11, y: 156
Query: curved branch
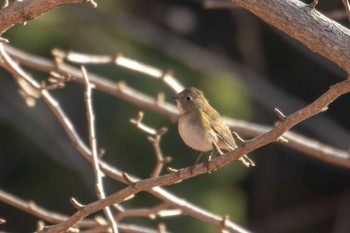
x: 23, y: 11
x: 302, y: 22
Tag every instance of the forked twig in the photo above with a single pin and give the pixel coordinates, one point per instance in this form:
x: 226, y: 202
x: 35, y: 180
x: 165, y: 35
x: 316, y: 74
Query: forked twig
x: 154, y: 139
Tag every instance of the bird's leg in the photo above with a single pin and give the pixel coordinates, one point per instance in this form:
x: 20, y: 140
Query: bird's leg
x: 196, y: 162
x: 215, y: 149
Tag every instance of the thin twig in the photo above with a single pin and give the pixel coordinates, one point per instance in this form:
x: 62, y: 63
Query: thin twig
x: 154, y: 139
x: 347, y: 8
x: 94, y: 151
x: 157, y: 211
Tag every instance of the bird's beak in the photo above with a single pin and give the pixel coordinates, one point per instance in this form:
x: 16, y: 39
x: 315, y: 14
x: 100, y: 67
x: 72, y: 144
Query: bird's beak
x: 174, y: 97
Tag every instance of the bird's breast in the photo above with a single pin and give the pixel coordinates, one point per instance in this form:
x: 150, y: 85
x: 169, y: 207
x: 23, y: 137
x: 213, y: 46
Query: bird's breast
x: 194, y: 133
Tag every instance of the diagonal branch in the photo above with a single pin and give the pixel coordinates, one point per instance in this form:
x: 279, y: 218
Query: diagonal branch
x: 280, y: 128
x: 23, y: 11
x: 52, y: 217
x: 316, y: 31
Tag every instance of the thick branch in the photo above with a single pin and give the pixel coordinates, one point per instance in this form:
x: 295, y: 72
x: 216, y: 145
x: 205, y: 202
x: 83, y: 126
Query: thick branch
x: 317, y: 32
x: 22, y: 11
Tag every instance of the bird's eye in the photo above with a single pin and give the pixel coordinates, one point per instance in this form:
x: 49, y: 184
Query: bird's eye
x: 188, y: 98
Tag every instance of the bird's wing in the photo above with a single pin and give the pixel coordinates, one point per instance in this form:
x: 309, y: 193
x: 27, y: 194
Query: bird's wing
x: 221, y: 129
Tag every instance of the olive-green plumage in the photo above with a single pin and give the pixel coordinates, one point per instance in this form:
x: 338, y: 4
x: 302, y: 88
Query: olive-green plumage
x: 200, y: 125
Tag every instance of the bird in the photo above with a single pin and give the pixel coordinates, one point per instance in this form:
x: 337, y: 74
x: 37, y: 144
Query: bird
x: 201, y: 127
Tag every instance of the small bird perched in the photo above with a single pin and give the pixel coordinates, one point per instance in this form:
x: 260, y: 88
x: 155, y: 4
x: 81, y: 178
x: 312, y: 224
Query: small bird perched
x: 201, y: 126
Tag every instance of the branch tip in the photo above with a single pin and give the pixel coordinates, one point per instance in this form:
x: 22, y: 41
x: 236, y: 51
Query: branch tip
x: 100, y: 220
x: 225, y: 219
x: 160, y: 98
x: 167, y: 159
x: 117, y: 56
x: 101, y: 152
x: 282, y: 140
x: 138, y: 120
x: 76, y: 204
x: 324, y: 109
x: 171, y: 170
x: 128, y: 179
x: 118, y: 207
x: 121, y: 85
x: 40, y: 225
x: 162, y: 131
x: 151, y: 139
x: 129, y: 197
x: 73, y: 230
x: 58, y: 56
x: 279, y: 114
x: 313, y: 4
x: 162, y: 228
x: 31, y: 205
x: 167, y: 72
x: 91, y: 3
x: 237, y: 138
x: 4, y: 40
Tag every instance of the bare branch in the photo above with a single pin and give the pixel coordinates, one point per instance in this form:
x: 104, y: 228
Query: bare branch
x: 309, y: 26
x: 157, y: 211
x: 155, y: 138
x: 279, y: 114
x: 122, y: 61
x: 77, y: 205
x: 347, y: 8
x: 52, y: 217
x: 93, y: 148
x: 23, y: 11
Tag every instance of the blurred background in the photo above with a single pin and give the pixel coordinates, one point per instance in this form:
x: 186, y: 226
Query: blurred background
x: 245, y: 67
